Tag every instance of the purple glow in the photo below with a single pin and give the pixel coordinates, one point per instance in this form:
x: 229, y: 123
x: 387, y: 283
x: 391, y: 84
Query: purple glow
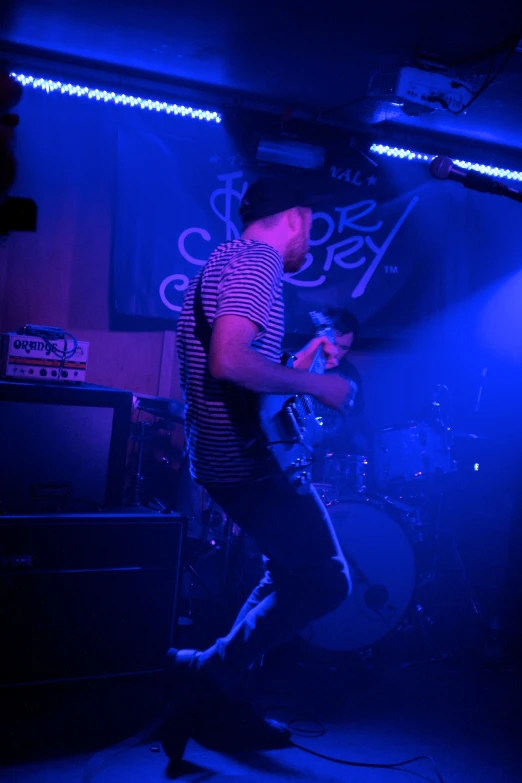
x: 500, y: 323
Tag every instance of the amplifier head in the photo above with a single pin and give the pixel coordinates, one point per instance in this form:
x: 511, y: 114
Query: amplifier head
x: 32, y: 358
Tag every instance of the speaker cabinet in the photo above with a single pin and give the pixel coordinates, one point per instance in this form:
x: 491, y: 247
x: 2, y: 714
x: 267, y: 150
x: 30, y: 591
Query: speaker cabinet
x: 86, y: 596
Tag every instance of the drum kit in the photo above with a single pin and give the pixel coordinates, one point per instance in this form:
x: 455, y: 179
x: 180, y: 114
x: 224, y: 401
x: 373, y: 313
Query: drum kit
x: 382, y: 508
x: 387, y: 508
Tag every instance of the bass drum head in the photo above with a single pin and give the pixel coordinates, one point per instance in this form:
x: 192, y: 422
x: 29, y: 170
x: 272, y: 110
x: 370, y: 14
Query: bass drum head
x: 382, y: 567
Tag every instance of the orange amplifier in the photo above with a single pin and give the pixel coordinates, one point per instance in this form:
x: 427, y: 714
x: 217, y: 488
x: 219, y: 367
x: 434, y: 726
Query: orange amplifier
x: 30, y: 357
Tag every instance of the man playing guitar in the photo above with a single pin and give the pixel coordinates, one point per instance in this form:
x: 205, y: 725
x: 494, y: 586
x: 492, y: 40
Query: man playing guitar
x: 229, y: 346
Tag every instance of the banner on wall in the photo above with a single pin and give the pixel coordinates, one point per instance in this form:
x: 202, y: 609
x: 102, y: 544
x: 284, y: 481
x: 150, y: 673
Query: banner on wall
x: 178, y: 198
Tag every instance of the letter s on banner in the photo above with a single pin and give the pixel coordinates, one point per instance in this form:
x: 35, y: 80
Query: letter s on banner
x: 181, y: 285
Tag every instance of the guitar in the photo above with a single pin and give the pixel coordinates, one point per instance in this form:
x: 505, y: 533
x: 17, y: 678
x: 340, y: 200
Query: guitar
x: 289, y: 424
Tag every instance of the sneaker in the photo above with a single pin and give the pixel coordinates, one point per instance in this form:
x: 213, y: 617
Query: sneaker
x: 197, y: 709
x: 179, y: 719
x: 237, y: 726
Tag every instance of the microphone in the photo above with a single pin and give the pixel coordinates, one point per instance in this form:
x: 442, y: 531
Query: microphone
x: 444, y: 168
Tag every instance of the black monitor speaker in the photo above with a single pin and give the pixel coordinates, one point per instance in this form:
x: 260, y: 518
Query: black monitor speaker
x: 62, y: 447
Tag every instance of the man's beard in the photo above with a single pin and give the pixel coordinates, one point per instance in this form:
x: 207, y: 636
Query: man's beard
x: 295, y: 254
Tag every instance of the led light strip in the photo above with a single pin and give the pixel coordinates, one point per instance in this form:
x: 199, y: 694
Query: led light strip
x: 490, y: 171
x: 48, y: 85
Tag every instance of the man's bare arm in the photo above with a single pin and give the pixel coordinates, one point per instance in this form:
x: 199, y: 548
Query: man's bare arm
x: 233, y: 359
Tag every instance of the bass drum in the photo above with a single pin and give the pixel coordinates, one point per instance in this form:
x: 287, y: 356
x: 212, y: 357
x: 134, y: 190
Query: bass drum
x: 382, y: 566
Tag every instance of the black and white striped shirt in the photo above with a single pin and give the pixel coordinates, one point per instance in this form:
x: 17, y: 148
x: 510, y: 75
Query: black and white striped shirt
x: 242, y: 278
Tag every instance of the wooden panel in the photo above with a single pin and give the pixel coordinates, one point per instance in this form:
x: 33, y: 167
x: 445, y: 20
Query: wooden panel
x: 60, y: 276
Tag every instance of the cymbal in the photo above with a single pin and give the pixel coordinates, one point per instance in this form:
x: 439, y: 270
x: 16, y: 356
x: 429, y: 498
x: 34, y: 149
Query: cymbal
x: 164, y: 407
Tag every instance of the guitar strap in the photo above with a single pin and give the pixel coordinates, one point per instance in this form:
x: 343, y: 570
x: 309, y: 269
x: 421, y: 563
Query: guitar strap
x: 242, y: 405
x: 202, y: 328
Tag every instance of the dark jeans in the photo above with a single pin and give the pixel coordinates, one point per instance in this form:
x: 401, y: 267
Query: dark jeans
x: 306, y: 578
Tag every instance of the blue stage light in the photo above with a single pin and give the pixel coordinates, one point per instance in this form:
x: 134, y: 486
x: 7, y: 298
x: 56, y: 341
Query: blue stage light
x: 491, y: 171
x: 49, y: 85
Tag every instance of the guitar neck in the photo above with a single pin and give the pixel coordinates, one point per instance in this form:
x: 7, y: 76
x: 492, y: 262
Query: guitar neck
x: 323, y: 329
x: 318, y: 365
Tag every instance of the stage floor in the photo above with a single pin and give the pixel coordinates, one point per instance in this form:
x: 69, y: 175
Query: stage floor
x: 468, y: 720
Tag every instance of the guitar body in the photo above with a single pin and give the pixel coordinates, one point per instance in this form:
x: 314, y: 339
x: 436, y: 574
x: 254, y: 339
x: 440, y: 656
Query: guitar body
x: 291, y: 431
x: 289, y: 423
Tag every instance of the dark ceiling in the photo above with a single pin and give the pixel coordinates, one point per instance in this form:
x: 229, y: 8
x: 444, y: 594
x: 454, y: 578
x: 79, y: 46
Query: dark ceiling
x: 311, y: 56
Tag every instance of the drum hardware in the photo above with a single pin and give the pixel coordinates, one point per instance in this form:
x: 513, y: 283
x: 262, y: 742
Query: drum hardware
x: 218, y: 554
x: 208, y: 524
x: 217, y: 576
x: 154, y: 435
x: 327, y: 493
x: 162, y: 407
x: 463, y: 435
x: 168, y: 413
x: 396, y: 503
x: 139, y: 436
x: 417, y: 645
x: 143, y: 432
x: 419, y: 519
x: 199, y: 565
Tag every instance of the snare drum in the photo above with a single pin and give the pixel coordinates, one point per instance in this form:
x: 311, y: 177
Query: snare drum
x: 345, y: 473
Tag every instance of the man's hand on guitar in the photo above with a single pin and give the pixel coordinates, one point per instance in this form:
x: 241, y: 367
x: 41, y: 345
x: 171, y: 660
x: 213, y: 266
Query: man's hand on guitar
x: 333, y: 390
x: 305, y: 356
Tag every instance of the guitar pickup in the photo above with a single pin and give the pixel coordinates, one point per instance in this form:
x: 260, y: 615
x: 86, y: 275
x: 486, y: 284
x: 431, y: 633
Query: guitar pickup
x: 291, y: 424
x: 304, y: 403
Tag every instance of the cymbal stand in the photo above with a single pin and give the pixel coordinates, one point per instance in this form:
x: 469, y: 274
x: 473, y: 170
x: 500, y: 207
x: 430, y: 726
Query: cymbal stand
x: 142, y: 435
x: 191, y: 566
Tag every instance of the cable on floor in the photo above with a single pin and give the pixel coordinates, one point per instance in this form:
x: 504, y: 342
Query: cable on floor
x: 392, y: 766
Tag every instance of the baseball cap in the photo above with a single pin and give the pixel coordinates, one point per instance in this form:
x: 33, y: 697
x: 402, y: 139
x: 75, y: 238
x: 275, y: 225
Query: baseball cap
x: 269, y: 196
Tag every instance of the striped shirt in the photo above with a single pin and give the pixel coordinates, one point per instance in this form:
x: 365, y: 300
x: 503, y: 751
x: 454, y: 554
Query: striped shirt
x: 244, y: 278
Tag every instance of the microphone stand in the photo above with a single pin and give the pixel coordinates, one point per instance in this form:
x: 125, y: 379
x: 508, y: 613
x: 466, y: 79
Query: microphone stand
x: 515, y: 195
x: 492, y: 187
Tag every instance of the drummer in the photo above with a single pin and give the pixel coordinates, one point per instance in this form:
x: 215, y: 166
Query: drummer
x: 345, y: 432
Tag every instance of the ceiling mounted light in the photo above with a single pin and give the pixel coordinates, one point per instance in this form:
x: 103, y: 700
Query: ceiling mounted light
x: 119, y: 99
